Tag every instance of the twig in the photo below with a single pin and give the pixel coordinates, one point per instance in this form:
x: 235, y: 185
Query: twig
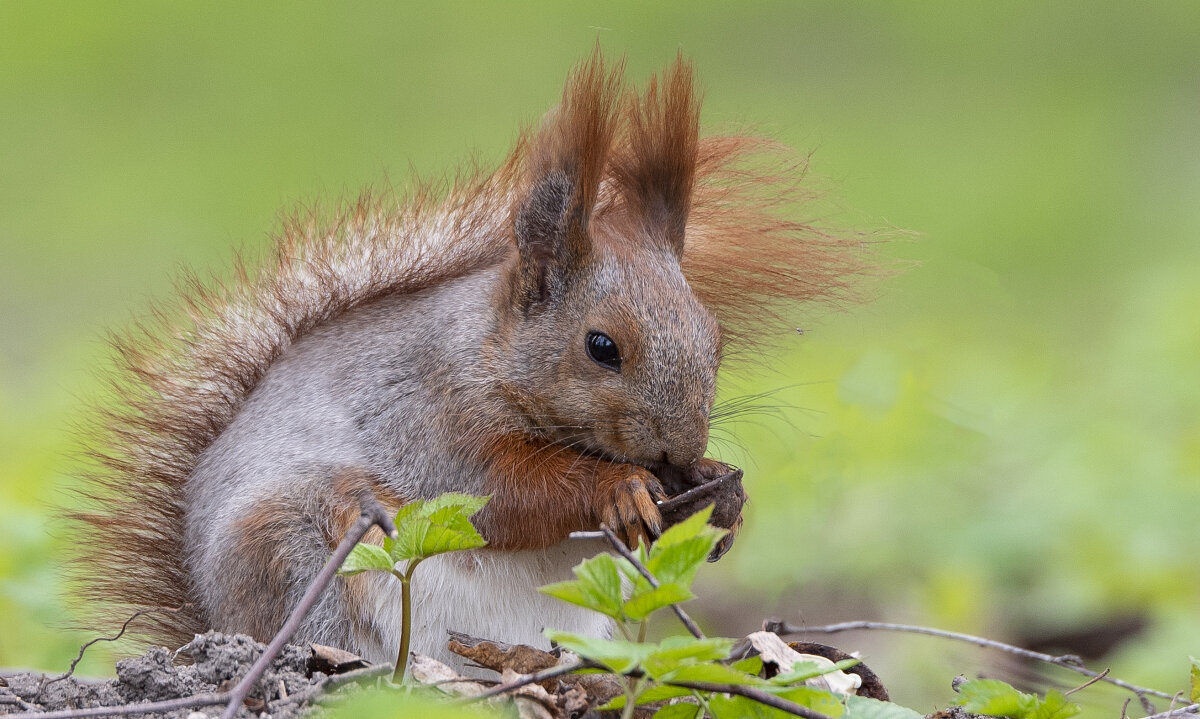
x: 755, y: 694
x: 1189, y: 709
x: 79, y: 657
x: 1086, y: 684
x: 14, y: 699
x: 372, y: 514
x: 193, y: 702
x: 1067, y: 661
x: 623, y: 550
x: 332, y: 682
x: 749, y: 692
x: 534, y: 678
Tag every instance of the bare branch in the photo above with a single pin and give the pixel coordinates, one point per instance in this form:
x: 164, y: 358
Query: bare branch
x: 192, y: 702
x: 534, y: 678
x: 113, y: 638
x: 623, y: 550
x: 1066, y: 661
x: 1181, y: 711
x: 1086, y: 684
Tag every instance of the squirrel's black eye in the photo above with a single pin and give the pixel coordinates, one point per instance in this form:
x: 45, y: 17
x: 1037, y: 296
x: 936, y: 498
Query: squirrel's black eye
x: 603, y: 351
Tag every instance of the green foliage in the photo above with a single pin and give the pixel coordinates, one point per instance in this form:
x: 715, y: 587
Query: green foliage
x: 680, y: 711
x: 425, y: 528
x: 737, y: 707
x: 409, y: 703
x: 868, y: 708
x: 996, y: 698
x: 653, y: 672
x: 673, y: 560
x: 1194, y: 681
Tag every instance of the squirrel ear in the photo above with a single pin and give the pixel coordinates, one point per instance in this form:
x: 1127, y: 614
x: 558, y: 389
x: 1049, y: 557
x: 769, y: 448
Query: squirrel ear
x: 566, y: 162
x: 656, y: 166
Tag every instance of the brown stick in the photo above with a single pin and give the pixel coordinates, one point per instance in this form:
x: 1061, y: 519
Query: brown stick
x: 1067, y: 661
x: 534, y: 678
x: 623, y: 550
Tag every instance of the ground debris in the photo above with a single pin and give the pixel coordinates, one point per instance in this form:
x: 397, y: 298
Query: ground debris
x: 286, y: 690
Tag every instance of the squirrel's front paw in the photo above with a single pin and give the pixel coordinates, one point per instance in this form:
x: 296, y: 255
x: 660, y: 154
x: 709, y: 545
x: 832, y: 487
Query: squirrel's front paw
x: 625, y: 502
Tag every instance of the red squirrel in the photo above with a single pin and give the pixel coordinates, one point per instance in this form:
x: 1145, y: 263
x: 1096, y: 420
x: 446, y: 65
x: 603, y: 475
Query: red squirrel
x: 548, y: 334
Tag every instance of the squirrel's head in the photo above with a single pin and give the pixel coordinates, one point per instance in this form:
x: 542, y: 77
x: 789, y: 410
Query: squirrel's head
x: 608, y: 348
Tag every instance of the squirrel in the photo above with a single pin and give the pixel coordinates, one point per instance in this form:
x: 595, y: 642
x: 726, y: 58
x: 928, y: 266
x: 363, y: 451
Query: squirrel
x: 548, y: 334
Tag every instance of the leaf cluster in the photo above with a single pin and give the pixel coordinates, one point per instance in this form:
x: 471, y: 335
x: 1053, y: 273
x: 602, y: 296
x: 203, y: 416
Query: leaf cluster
x: 655, y: 672
x: 673, y: 560
x: 425, y: 528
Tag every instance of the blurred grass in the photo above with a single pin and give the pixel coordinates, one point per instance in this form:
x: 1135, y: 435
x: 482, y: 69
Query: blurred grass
x: 1006, y: 438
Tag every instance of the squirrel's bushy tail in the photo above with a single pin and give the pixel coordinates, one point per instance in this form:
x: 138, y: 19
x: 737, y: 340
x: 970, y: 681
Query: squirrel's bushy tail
x: 181, y: 376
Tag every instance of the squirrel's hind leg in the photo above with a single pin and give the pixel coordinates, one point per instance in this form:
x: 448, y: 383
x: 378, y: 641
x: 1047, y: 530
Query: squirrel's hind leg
x: 270, y: 552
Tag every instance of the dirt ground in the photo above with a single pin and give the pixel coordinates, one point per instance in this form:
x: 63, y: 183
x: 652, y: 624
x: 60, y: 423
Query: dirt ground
x: 287, y: 687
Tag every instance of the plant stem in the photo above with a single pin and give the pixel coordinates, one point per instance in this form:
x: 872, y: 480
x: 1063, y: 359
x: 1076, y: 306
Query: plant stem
x: 642, y: 632
x: 624, y: 631
x: 632, y: 691
x: 405, y: 619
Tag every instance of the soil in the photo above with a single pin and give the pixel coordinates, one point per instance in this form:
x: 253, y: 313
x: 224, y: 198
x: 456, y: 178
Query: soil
x: 287, y: 687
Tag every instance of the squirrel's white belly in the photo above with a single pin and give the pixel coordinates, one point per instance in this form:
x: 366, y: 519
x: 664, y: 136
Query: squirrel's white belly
x: 485, y: 594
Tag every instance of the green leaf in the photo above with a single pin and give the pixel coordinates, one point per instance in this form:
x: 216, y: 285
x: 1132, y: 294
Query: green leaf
x: 681, y: 550
x: 569, y: 591
x: 679, y: 562
x: 1056, y: 706
x: 867, y: 708
x: 1194, y: 685
x: 805, y: 670
x: 820, y: 700
x: 366, y: 558
x: 726, y: 706
x: 682, y: 710
x: 689, y: 528
x: 991, y: 696
x: 643, y: 604
x: 619, y: 656
x: 435, y: 526
x: 653, y: 694
x: 750, y: 665
x: 713, y: 672
x: 994, y: 697
x: 676, y: 652
x: 598, y: 586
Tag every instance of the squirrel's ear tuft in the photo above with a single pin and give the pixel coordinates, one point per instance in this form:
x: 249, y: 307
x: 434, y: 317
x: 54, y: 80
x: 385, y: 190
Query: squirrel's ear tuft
x: 566, y: 160
x: 655, y: 168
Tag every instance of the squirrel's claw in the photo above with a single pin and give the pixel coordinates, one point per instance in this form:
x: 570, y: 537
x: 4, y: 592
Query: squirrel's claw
x: 629, y: 507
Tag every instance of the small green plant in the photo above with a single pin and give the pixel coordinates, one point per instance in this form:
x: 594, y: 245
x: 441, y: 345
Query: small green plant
x: 425, y: 528
x: 681, y: 666
x: 678, y: 666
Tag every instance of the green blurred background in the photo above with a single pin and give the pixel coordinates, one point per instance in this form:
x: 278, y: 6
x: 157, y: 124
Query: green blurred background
x: 1005, y: 441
